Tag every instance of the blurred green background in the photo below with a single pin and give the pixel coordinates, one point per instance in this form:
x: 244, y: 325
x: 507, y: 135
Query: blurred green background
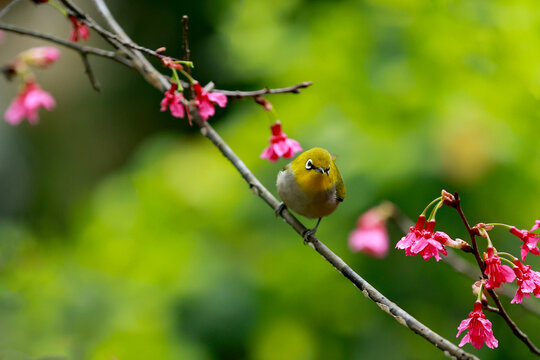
x: 124, y: 234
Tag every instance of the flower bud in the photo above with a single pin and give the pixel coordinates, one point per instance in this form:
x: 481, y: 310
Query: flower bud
x: 41, y: 57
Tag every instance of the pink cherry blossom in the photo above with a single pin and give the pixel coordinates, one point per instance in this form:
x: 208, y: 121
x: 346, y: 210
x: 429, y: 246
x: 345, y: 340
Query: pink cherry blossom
x: 205, y: 101
x: 498, y: 274
x: 78, y: 30
x: 40, y: 56
x: 280, y: 145
x: 479, y: 329
x: 370, y: 235
x: 528, y: 282
x: 530, y: 240
x: 173, y: 101
x: 27, y: 103
x: 425, y: 241
x: 412, y: 237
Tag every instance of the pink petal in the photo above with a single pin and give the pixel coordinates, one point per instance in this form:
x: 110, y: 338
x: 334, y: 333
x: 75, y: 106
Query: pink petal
x: 281, y: 148
x: 269, y: 154
x: 508, y: 273
x: 84, y: 32
x: 15, y: 113
x: 518, y: 298
x: 218, y: 98
x: 37, y: 98
x: 177, y: 110
x: 74, y: 36
x: 293, y: 145
x: 373, y: 241
x: 206, y: 109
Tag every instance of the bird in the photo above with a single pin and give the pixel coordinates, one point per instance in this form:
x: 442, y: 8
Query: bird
x: 311, y: 186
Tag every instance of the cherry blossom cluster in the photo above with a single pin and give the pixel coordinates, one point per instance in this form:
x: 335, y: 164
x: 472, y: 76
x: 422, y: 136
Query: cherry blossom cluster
x: 281, y: 146
x: 30, y: 97
x: 174, y: 99
x: 423, y: 240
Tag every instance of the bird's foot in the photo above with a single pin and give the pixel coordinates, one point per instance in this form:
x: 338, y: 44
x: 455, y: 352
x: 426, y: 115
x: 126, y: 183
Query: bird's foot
x: 280, y: 209
x: 308, y: 234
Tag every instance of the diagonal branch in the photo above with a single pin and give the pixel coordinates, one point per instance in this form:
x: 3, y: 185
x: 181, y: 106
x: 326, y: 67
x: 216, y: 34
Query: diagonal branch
x: 367, y: 289
x: 8, y: 7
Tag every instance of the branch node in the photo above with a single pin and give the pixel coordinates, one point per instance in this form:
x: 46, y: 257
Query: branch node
x: 255, y: 189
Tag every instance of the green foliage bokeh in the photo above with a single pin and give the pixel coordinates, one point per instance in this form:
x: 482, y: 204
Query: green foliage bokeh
x: 125, y: 234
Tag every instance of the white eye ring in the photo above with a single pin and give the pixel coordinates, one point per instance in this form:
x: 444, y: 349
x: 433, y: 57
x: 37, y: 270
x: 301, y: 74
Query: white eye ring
x: 309, y: 164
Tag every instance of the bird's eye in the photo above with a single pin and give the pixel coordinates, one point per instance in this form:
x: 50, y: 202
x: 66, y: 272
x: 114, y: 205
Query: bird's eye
x: 309, y: 164
x: 327, y: 171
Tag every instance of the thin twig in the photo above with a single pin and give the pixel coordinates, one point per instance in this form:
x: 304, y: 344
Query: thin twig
x: 90, y: 73
x: 80, y: 48
x: 492, y: 309
x: 185, y: 41
x: 8, y: 7
x: 471, y: 233
x: 295, y: 89
x: 367, y: 289
x: 187, y: 53
x: 502, y: 312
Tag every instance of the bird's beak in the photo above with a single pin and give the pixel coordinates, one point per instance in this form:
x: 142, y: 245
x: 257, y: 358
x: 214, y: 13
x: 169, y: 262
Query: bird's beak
x: 320, y: 169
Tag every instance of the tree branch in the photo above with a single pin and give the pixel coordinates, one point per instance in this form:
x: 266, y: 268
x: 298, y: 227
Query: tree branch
x: 8, y: 7
x: 90, y: 73
x: 295, y: 89
x: 122, y: 40
x: 69, y: 44
x: 367, y: 289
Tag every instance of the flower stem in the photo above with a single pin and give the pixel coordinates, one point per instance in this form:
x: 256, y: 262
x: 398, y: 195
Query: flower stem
x: 499, y: 224
x: 508, y: 261
x: 429, y: 205
x: 435, y: 209
x: 183, y: 62
x: 485, y: 234
x: 177, y: 80
x: 479, y: 296
x: 58, y: 7
x: 507, y: 254
x: 191, y: 80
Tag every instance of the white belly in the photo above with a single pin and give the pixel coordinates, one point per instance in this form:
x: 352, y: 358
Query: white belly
x: 312, y: 206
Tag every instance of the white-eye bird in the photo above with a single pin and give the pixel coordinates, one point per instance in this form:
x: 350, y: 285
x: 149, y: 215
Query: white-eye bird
x: 311, y: 185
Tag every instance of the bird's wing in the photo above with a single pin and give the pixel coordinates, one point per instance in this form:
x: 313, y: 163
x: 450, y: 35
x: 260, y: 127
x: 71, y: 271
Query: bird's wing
x: 340, y: 187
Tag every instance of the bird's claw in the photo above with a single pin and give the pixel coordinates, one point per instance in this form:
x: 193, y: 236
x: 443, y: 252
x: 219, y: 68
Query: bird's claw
x: 280, y: 209
x: 307, y: 234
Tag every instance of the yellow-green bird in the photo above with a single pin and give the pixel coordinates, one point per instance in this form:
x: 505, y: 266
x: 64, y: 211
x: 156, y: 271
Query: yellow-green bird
x: 311, y: 185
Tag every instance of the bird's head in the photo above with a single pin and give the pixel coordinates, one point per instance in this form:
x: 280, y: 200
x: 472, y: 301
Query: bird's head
x: 315, y: 170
